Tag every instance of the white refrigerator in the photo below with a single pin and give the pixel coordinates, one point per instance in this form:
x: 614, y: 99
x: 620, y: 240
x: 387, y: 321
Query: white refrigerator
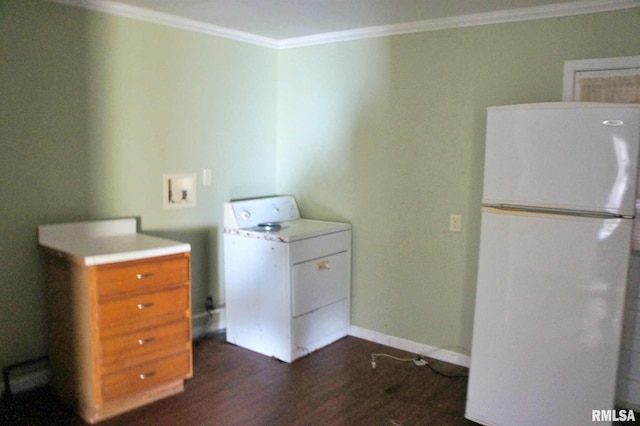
x: 558, y: 204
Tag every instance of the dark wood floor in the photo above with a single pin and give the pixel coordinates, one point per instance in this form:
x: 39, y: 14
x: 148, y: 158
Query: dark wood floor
x: 333, y: 386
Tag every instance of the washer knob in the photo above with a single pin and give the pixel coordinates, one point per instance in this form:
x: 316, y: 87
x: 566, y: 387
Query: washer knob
x: 246, y: 215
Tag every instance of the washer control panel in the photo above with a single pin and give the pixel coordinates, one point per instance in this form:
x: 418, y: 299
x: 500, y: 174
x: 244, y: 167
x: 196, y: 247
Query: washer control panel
x: 252, y: 212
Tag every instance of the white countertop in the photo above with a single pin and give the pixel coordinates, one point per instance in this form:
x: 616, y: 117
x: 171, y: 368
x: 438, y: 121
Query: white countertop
x: 102, y: 242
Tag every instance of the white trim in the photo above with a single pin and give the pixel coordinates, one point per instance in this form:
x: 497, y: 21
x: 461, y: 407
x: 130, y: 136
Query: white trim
x: 146, y: 15
x: 579, y: 7
x: 571, y: 68
x: 513, y: 15
x: 204, y: 322
x: 442, y: 354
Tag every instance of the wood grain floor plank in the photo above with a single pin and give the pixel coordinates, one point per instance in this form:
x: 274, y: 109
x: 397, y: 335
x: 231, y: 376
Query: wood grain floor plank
x: 332, y: 386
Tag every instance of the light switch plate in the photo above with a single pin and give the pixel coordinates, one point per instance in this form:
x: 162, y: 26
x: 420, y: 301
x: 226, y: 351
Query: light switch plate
x: 206, y: 177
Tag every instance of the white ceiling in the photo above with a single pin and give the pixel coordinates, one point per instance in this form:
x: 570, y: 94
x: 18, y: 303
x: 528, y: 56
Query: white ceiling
x: 275, y: 21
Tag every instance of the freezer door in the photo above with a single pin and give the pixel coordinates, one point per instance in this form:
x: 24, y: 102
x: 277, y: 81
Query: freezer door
x: 576, y: 156
x: 548, y: 318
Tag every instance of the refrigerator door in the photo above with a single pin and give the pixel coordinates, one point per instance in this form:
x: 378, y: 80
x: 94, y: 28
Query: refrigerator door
x: 574, y: 156
x: 548, y: 318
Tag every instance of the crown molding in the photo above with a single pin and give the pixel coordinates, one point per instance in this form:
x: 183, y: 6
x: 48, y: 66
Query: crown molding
x: 579, y: 7
x: 146, y: 15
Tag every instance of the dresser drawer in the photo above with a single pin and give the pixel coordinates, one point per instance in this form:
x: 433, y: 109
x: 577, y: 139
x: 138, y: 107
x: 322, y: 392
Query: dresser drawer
x: 145, y: 376
x: 119, y: 349
x: 142, y: 275
x: 145, y: 307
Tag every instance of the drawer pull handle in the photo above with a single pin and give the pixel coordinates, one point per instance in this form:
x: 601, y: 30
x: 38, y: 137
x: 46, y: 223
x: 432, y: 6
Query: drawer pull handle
x: 145, y: 341
x: 146, y: 376
x: 323, y: 266
x: 143, y: 276
x: 142, y: 306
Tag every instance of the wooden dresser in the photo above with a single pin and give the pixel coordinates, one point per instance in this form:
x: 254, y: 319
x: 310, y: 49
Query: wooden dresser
x: 119, y: 307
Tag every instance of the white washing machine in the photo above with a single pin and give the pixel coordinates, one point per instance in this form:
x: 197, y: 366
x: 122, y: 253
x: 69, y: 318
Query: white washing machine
x: 287, y: 279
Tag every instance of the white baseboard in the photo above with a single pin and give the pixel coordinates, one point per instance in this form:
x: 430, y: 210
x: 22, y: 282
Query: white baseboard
x: 442, y: 354
x: 205, y: 322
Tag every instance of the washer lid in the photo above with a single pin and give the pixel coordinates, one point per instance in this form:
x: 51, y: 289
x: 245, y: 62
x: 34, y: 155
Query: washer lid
x: 252, y: 212
x: 295, y: 230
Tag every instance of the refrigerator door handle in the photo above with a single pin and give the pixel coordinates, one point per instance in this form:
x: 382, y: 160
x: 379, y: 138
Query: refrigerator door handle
x: 514, y: 208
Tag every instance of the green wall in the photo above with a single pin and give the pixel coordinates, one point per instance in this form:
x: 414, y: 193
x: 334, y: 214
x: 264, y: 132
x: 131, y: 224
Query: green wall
x: 95, y: 108
x: 386, y: 133
x: 43, y: 159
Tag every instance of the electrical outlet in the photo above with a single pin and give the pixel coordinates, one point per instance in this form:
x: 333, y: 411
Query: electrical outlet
x: 455, y: 222
x: 208, y: 304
